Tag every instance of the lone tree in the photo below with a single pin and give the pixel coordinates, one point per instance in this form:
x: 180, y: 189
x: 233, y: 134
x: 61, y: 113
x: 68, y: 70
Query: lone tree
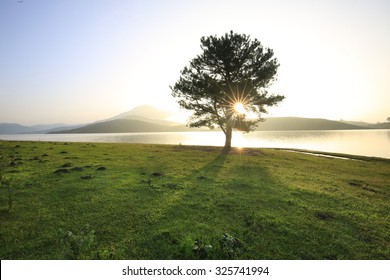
x: 228, y: 82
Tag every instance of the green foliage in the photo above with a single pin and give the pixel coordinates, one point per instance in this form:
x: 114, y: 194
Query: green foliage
x: 232, y: 69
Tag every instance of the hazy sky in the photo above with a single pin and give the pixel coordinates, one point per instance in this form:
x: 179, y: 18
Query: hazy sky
x: 80, y: 61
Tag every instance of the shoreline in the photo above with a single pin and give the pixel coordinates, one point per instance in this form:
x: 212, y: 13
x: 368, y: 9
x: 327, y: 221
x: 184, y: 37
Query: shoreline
x: 366, y: 144
x: 335, y: 155
x: 237, y: 150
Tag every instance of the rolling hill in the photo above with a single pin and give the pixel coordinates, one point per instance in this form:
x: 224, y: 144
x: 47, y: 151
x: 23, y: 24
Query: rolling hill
x: 124, y: 126
x: 14, y: 128
x: 293, y: 123
x: 149, y: 119
x: 271, y: 124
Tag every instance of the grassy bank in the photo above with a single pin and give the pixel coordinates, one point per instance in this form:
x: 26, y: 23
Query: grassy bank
x: 128, y: 201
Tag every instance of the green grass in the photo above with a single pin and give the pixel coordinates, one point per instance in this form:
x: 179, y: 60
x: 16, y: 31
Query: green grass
x: 177, y: 202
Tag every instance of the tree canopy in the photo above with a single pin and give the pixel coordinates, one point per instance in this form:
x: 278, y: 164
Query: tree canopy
x: 228, y: 82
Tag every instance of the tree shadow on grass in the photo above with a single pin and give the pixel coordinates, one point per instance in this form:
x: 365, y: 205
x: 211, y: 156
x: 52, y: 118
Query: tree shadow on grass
x: 173, y: 210
x: 216, y: 200
x: 214, y: 167
x: 235, y: 195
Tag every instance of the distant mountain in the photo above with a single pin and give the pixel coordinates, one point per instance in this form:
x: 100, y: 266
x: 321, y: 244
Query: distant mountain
x: 124, y: 126
x: 271, y: 124
x: 145, y: 113
x: 60, y: 128
x: 14, y: 128
x: 141, y: 118
x: 362, y: 124
x: 385, y: 125
x: 293, y: 123
x: 150, y: 119
x: 149, y: 112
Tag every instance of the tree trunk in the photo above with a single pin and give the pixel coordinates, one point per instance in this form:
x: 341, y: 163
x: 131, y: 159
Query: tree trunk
x: 228, y: 138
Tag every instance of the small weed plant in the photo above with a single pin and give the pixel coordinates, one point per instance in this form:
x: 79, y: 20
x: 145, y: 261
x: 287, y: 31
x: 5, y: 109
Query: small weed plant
x: 79, y: 245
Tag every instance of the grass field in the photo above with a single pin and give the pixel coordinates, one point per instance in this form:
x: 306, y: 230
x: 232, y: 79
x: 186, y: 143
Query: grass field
x: 130, y: 201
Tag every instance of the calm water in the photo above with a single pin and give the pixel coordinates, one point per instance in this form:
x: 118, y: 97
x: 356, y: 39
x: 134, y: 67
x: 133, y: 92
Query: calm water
x: 358, y: 142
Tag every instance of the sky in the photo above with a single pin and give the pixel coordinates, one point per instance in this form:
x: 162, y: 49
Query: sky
x: 70, y: 61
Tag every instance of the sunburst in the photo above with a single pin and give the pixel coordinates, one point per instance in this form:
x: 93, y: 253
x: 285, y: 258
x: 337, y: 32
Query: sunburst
x: 239, y: 108
x: 237, y: 101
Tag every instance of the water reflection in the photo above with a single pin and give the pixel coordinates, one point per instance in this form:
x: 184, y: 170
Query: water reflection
x: 358, y: 142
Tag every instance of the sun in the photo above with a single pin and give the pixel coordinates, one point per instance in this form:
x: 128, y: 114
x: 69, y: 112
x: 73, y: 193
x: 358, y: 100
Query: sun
x: 239, y: 108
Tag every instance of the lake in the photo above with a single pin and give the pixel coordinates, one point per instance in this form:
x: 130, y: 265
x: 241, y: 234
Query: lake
x: 358, y: 142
